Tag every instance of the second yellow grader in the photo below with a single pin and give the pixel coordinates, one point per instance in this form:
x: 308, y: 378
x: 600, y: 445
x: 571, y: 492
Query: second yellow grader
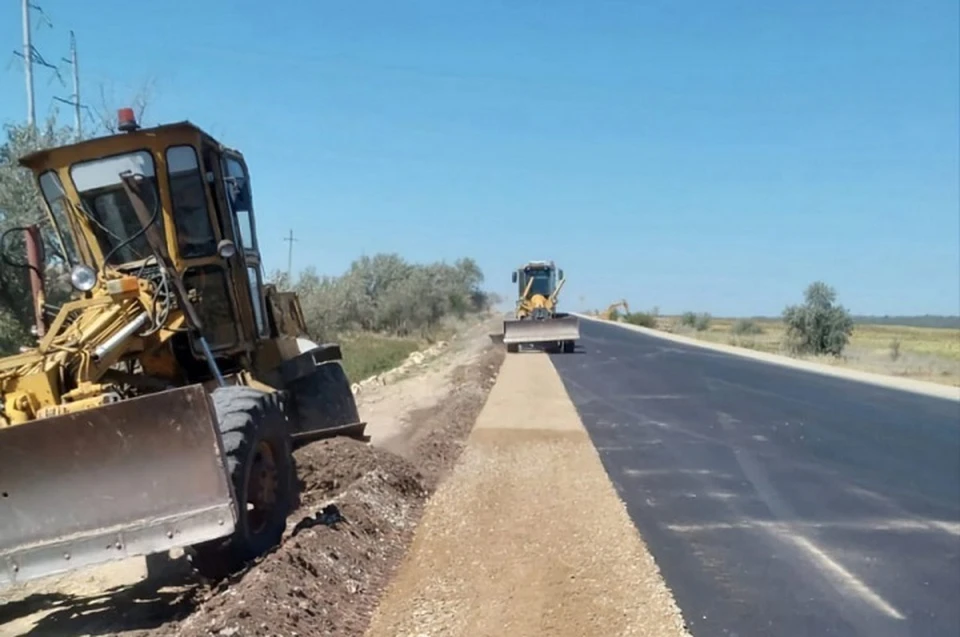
x: 537, y: 321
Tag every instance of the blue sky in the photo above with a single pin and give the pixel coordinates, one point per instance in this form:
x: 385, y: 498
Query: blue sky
x: 710, y: 156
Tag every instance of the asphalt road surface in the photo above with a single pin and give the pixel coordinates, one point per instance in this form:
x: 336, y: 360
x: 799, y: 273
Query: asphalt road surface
x: 777, y: 502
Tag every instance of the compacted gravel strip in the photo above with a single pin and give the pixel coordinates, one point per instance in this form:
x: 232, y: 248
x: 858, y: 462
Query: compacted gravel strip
x: 527, y: 536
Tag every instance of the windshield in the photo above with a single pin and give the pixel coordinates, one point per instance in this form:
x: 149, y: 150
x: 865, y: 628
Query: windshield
x: 107, y: 205
x: 56, y: 200
x: 541, y: 282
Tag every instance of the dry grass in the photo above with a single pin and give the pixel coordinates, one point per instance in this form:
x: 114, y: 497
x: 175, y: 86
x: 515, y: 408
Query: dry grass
x: 921, y: 353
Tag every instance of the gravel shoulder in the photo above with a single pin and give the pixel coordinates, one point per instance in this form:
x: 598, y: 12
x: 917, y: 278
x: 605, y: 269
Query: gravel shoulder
x: 527, y: 536
x: 359, y: 506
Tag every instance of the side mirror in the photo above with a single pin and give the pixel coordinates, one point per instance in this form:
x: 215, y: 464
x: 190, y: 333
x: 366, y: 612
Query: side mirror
x: 226, y: 249
x: 514, y: 276
x: 560, y: 273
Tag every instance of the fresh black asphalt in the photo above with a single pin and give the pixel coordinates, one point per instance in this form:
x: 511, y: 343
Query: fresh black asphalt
x: 777, y: 501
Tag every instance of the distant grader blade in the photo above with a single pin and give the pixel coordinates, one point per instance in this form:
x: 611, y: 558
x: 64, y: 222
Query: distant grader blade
x: 532, y: 331
x: 135, y: 477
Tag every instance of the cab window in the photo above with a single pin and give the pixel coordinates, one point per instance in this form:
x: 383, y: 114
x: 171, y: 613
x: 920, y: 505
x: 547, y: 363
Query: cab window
x: 238, y: 194
x: 56, y: 198
x: 195, y: 236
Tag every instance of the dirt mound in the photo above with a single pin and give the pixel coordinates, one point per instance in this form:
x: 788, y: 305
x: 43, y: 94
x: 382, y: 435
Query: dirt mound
x: 359, y: 507
x: 328, y: 575
x: 329, y: 466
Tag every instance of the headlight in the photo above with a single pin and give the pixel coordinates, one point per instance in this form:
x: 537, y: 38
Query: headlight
x: 226, y: 249
x: 83, y: 278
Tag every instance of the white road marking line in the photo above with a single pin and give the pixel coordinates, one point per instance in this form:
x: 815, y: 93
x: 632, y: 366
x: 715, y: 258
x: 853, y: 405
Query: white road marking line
x: 639, y: 473
x: 632, y: 447
x: 953, y: 528
x: 845, y: 578
x: 720, y: 495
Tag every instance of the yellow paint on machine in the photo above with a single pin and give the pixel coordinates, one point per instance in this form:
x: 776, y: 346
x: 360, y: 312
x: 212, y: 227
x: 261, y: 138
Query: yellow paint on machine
x: 527, y: 536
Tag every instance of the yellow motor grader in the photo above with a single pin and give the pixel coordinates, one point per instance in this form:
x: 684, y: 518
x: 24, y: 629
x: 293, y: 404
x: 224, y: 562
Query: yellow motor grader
x: 537, y: 321
x: 161, y: 404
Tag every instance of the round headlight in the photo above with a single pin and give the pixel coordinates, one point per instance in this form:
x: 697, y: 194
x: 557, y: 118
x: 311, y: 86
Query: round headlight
x: 83, y: 278
x: 226, y: 249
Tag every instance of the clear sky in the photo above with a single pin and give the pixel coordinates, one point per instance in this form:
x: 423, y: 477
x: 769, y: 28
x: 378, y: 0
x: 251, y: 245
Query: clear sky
x: 711, y: 156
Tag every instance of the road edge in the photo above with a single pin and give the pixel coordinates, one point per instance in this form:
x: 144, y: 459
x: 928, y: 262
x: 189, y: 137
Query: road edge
x: 890, y: 382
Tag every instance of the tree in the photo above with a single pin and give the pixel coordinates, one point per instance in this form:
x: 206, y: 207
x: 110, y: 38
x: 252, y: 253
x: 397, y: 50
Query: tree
x: 819, y: 325
x: 21, y: 205
x: 105, y: 112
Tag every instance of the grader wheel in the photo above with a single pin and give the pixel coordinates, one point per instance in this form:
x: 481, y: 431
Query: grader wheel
x: 253, y: 426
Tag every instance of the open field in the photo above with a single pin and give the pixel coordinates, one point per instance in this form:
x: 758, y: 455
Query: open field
x: 921, y: 353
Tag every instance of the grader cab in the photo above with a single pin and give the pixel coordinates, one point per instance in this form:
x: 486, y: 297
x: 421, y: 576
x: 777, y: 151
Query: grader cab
x: 160, y: 405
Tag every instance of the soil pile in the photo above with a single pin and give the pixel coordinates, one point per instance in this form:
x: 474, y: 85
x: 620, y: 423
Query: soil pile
x: 359, y: 507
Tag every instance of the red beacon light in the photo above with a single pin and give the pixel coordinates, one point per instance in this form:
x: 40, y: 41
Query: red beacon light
x: 126, y: 120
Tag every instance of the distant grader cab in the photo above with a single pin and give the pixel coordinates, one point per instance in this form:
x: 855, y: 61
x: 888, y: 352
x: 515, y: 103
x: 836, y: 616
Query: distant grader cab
x: 160, y: 407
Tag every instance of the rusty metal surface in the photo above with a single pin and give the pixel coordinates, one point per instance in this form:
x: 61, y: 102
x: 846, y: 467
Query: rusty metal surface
x: 130, y: 478
x: 565, y: 328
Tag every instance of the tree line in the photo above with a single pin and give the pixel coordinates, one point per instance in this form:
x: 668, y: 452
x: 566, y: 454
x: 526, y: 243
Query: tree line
x: 387, y: 294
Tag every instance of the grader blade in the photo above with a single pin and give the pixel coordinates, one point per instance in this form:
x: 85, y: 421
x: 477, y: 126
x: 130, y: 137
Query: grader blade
x: 532, y: 331
x: 130, y: 478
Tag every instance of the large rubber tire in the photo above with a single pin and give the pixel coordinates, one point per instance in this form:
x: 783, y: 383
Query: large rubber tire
x: 254, y: 429
x: 513, y: 348
x: 569, y: 347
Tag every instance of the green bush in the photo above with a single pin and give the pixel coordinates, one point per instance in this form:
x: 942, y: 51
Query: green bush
x: 699, y: 322
x: 746, y: 327
x: 643, y: 319
x: 895, y: 349
x: 818, y: 326
x: 702, y: 322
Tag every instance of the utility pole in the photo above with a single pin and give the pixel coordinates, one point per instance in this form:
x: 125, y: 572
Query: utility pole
x: 30, y: 57
x: 76, y: 85
x: 28, y: 65
x: 74, y: 100
x: 289, y: 239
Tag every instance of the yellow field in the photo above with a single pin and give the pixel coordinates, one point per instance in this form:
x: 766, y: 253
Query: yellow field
x: 923, y: 353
